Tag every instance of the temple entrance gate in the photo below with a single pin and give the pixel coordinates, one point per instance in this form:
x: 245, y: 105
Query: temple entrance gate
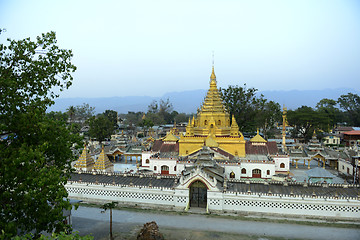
x: 198, y: 194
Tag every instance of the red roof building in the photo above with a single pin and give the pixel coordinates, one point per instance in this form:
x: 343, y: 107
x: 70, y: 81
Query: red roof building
x: 351, y: 137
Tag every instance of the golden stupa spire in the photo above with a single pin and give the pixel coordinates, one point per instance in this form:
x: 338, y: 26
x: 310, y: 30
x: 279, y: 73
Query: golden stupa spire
x: 213, y: 76
x: 233, y: 121
x: 85, y: 161
x: 102, y: 163
x: 234, y: 127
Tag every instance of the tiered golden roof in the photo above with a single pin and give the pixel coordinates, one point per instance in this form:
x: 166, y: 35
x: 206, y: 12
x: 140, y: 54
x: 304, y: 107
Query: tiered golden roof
x: 102, y: 163
x: 211, y: 127
x: 85, y: 161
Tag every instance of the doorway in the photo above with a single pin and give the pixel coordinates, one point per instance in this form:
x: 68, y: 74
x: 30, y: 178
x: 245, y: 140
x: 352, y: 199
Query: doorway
x: 256, y: 173
x: 164, y: 170
x: 198, y: 194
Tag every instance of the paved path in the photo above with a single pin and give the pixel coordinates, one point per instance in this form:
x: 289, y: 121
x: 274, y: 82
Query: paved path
x: 202, y: 222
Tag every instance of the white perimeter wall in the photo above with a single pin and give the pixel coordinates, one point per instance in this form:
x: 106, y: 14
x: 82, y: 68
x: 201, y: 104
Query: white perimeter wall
x: 219, y: 201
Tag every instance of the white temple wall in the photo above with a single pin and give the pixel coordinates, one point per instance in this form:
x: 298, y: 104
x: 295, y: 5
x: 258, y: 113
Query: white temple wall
x: 279, y: 160
x: 155, y: 165
x: 319, y: 207
x: 232, y: 168
x: 215, y: 201
x: 264, y: 167
x: 145, y: 156
x: 218, y: 201
x: 128, y: 195
x: 181, y: 198
x: 180, y: 168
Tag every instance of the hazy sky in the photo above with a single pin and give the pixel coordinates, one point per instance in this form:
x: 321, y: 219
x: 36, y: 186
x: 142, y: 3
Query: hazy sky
x: 151, y: 47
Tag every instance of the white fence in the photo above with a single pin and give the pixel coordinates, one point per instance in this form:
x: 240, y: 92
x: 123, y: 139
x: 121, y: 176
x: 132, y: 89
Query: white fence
x: 219, y: 201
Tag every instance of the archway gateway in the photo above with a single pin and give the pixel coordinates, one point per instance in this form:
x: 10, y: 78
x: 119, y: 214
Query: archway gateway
x: 198, y: 194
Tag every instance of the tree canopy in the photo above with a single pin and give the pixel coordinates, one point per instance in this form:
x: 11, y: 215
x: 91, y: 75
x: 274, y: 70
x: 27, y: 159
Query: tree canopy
x: 35, y: 149
x: 161, y: 112
x: 80, y: 113
x: 351, y: 104
x: 251, y: 111
x: 103, y: 125
x: 305, y: 120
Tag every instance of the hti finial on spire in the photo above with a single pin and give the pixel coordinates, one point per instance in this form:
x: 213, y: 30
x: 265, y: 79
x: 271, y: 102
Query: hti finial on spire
x: 213, y: 77
x: 213, y: 59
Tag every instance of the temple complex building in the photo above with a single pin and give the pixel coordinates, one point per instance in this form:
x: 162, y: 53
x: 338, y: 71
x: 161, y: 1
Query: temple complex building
x: 211, y: 127
x: 212, y: 167
x: 211, y: 131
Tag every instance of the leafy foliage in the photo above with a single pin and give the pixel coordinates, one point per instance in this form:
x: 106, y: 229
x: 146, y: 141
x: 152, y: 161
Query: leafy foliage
x: 306, y: 120
x: 351, y: 104
x: 161, y: 112
x: 35, y: 150
x: 110, y: 206
x: 58, y: 236
x: 329, y: 108
x: 103, y: 125
x: 250, y: 111
x: 112, y: 116
x: 80, y: 113
x: 57, y: 116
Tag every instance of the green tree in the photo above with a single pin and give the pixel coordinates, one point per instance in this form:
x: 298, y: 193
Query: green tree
x: 351, y: 104
x: 153, y: 107
x: 112, y: 116
x: 182, y: 117
x: 161, y: 112
x: 243, y: 104
x: 165, y: 110
x: 100, y: 127
x: 268, y: 116
x: 329, y: 108
x: 155, y: 118
x: 84, y: 112
x: 110, y: 206
x: 250, y: 111
x: 57, y: 116
x: 305, y: 120
x: 71, y: 112
x: 35, y: 150
x: 133, y: 118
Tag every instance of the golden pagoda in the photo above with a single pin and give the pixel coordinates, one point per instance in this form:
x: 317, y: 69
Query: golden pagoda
x: 85, y: 161
x: 103, y: 163
x: 211, y: 127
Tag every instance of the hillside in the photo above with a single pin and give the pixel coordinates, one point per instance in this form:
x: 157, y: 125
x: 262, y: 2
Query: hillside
x: 189, y: 101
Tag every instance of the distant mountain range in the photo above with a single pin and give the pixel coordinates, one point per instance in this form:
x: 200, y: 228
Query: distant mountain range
x: 189, y: 101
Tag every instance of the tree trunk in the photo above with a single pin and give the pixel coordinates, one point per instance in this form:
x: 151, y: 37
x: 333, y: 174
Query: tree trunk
x: 111, y: 236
